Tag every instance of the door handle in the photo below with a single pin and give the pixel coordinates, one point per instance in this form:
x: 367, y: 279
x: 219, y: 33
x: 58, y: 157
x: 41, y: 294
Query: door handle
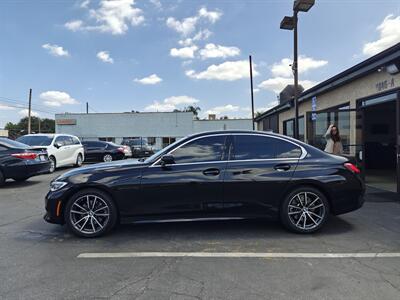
x: 282, y: 167
x: 211, y: 172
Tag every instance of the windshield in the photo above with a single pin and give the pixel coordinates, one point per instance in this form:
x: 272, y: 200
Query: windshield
x: 138, y: 142
x: 13, y: 144
x: 36, y: 140
x: 161, y: 152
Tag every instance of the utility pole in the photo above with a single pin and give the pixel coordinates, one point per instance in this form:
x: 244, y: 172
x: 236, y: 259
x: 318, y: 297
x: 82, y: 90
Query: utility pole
x: 39, y: 124
x: 29, y: 111
x: 87, y: 107
x: 251, y: 91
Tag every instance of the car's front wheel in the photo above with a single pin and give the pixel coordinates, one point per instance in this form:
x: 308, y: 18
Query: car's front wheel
x: 304, y: 210
x: 90, y: 213
x: 107, y: 158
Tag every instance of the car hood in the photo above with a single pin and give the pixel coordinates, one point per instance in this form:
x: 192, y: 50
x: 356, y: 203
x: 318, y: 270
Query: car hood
x: 104, y: 167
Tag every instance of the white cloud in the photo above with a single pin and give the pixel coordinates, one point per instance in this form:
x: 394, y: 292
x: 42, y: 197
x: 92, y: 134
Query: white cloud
x: 185, y: 52
x: 389, y: 34
x: 284, y: 69
x: 6, y: 107
x: 156, y: 3
x: 214, y: 51
x: 228, y: 71
x: 57, y: 98
x: 104, y: 56
x: 152, y: 79
x: 85, y: 3
x: 184, y: 27
x: 55, y: 50
x: 171, y: 103
x: 224, y: 109
x: 74, y: 25
x: 24, y: 113
x: 188, y: 25
x: 212, y: 16
x: 112, y: 16
x: 199, y: 36
x: 277, y: 84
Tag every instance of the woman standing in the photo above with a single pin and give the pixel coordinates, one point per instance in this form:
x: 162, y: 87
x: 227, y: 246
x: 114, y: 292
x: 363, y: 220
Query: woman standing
x: 333, y: 140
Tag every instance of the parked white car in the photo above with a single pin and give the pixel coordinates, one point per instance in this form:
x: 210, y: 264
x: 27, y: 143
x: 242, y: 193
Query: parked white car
x: 63, y: 149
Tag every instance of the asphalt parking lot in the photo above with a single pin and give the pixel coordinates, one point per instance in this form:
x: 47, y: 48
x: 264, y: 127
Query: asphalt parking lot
x: 40, y: 260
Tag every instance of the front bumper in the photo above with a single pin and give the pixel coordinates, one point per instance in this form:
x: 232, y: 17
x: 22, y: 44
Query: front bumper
x: 54, y: 206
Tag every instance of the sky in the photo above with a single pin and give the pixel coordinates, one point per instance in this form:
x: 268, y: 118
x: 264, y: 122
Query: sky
x: 155, y: 55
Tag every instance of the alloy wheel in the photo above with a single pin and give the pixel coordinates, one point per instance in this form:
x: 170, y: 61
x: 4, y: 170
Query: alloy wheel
x: 52, y: 165
x: 306, y: 210
x: 89, y: 214
x: 107, y: 158
x: 79, y: 160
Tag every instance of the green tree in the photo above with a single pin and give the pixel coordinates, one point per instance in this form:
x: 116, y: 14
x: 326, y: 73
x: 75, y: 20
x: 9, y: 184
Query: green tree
x: 194, y: 109
x: 21, y: 128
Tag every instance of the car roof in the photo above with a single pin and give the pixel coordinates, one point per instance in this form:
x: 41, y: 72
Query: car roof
x: 49, y: 134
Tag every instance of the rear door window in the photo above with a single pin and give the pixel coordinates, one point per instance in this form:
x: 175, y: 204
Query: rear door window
x: 248, y: 147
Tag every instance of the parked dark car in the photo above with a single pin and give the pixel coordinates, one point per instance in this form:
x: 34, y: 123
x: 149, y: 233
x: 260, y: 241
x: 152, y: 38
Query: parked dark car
x: 214, y: 175
x: 102, y: 151
x: 19, y: 162
x: 139, y: 147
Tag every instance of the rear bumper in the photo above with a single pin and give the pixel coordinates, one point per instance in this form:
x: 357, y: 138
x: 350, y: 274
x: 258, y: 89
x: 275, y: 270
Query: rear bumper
x: 348, y: 200
x: 37, y: 168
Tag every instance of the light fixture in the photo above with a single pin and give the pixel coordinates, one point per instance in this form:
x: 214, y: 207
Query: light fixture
x: 303, y: 5
x: 393, y: 68
x: 287, y: 23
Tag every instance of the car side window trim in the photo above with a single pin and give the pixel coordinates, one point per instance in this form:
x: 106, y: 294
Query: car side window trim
x: 229, y: 142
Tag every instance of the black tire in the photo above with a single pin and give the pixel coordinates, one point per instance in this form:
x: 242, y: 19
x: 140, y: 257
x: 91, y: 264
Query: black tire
x: 2, y: 179
x: 79, y: 161
x: 21, y: 179
x: 300, y: 216
x: 53, y: 164
x: 107, y: 222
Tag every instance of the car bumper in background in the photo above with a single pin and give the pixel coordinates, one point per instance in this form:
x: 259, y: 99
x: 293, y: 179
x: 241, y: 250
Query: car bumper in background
x: 36, y: 168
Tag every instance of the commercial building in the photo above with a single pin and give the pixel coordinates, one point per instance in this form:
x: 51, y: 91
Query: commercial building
x: 3, y: 133
x: 364, y: 102
x: 159, y: 128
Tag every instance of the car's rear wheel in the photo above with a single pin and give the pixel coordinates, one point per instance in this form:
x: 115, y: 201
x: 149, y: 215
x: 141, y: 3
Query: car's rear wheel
x: 52, y: 164
x: 79, y: 160
x: 107, y: 158
x: 90, y: 213
x: 304, y: 210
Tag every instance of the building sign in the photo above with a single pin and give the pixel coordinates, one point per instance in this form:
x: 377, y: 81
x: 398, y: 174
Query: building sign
x: 66, y: 122
x: 384, y: 85
x: 314, y: 108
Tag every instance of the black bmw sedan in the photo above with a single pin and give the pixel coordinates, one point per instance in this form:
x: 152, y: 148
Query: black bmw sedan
x: 96, y: 151
x: 19, y: 162
x: 213, y: 175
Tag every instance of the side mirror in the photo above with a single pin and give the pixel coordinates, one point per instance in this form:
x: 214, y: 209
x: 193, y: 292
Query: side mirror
x: 167, y: 159
x: 58, y: 145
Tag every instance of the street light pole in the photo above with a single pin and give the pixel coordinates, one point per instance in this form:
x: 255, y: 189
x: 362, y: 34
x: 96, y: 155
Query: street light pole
x: 296, y: 77
x: 290, y: 23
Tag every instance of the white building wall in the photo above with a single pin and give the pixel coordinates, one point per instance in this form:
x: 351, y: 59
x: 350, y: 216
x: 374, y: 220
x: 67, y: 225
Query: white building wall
x: 158, y: 124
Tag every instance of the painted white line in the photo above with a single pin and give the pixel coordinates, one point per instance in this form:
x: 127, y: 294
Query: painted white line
x: 239, y: 255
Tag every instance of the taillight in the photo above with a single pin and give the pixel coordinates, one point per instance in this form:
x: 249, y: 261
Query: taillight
x: 121, y: 150
x: 25, y: 155
x: 352, y: 168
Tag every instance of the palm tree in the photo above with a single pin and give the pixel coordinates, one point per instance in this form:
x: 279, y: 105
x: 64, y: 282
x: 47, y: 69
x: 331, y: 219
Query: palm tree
x: 194, y: 109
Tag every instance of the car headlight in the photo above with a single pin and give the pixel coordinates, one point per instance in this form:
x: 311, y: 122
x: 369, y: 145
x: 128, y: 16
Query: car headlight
x: 56, y: 185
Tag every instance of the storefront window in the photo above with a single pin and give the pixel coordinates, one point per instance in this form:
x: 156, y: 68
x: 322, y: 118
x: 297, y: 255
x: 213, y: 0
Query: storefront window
x: 288, y: 127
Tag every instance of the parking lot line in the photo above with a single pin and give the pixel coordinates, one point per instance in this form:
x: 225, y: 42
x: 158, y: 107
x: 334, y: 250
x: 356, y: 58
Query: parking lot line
x: 238, y: 255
